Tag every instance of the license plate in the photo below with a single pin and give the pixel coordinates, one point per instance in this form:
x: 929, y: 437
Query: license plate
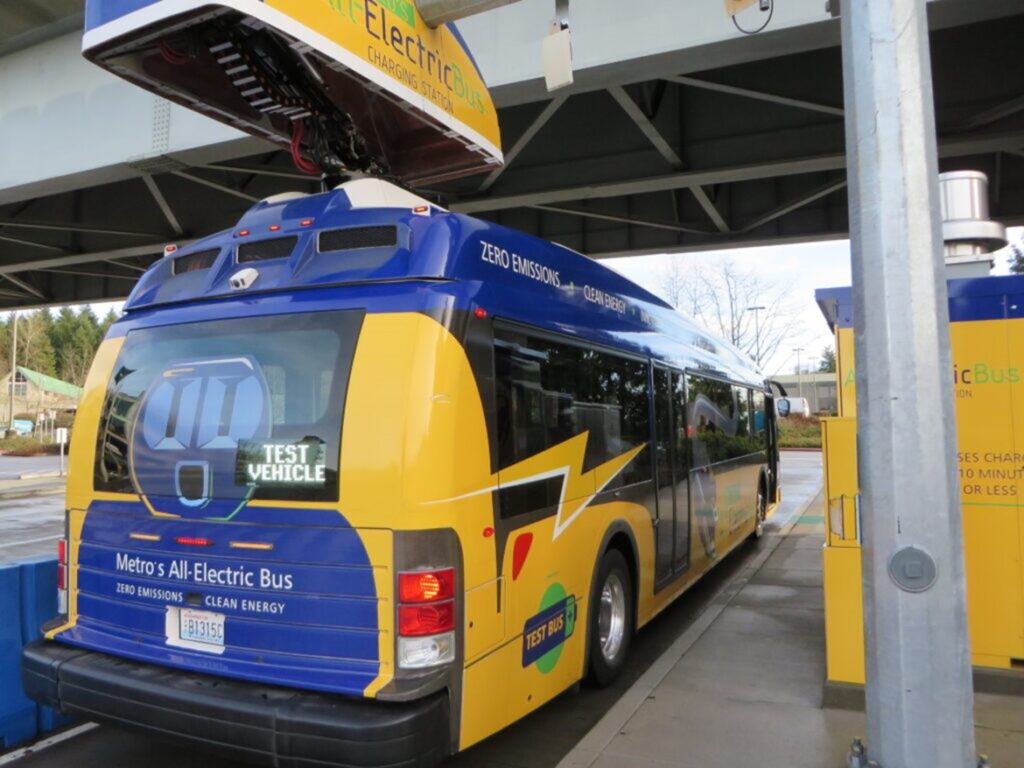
x: 201, y: 627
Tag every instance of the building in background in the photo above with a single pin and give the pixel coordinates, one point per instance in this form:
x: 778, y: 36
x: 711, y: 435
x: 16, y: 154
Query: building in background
x: 34, y: 391
x: 818, y: 388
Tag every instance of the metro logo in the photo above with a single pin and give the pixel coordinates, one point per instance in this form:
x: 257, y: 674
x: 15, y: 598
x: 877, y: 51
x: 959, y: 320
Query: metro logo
x: 185, y: 440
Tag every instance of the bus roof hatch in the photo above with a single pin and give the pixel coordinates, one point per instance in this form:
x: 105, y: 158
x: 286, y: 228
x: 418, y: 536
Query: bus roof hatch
x: 345, y: 86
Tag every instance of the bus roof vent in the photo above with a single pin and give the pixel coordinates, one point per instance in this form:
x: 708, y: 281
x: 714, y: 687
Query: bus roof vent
x: 351, y: 238
x: 263, y: 250
x: 377, y: 193
x: 283, y: 197
x: 194, y: 262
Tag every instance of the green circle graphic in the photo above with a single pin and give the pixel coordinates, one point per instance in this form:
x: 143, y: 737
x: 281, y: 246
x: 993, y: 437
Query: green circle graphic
x: 556, y: 594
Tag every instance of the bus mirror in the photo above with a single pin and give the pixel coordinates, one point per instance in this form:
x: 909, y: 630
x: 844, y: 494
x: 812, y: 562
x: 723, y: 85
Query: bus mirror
x: 782, y: 407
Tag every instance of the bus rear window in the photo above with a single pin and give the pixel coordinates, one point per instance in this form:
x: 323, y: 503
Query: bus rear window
x: 247, y: 408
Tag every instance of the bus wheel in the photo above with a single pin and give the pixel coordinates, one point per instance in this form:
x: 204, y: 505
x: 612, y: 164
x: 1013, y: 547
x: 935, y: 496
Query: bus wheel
x: 761, y: 515
x: 611, y: 618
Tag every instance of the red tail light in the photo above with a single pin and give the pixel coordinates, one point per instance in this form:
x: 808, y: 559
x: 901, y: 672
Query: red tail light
x: 431, y: 619
x: 62, y: 552
x: 193, y: 541
x: 426, y: 586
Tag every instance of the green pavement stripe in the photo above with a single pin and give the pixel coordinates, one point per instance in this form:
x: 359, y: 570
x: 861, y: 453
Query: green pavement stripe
x: 811, y: 519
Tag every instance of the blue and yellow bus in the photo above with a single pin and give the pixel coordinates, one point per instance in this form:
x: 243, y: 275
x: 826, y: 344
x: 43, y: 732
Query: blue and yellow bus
x: 362, y: 481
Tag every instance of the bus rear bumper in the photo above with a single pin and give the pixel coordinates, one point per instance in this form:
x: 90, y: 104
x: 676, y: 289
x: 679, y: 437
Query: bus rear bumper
x: 262, y: 724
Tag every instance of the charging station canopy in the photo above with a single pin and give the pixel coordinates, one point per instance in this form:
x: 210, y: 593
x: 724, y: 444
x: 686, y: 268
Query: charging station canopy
x: 345, y: 85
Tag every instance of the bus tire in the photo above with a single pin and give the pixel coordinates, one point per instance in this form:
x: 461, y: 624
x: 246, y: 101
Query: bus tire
x: 761, y: 511
x: 611, y: 618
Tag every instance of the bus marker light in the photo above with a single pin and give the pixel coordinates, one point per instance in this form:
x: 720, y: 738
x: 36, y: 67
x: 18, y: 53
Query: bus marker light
x: 421, y: 210
x: 259, y: 545
x: 275, y: 227
x: 480, y: 312
x: 432, y: 619
x: 430, y: 651
x: 144, y: 536
x: 169, y: 249
x: 426, y: 586
x: 193, y: 541
x: 306, y: 223
x: 242, y: 233
x: 519, y: 552
x: 488, y: 532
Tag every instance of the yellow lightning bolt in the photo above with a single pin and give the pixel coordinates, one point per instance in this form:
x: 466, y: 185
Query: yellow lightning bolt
x: 564, y: 460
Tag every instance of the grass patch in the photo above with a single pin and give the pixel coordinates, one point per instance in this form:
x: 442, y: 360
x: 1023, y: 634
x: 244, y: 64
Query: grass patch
x: 26, y: 446
x: 800, y: 432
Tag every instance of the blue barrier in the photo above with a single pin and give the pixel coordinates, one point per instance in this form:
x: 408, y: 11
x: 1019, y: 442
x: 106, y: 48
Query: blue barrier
x: 39, y: 605
x: 18, y: 714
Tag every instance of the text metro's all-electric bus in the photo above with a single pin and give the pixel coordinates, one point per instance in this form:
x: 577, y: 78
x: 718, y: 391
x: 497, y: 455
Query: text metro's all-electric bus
x: 361, y: 482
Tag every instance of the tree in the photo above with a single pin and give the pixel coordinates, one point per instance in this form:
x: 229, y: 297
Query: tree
x: 35, y: 350
x: 720, y: 299
x: 1017, y: 257
x: 75, y: 337
x: 828, y: 360
x: 108, y: 320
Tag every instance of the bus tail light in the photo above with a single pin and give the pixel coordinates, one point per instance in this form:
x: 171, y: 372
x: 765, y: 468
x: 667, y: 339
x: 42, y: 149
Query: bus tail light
x: 426, y: 586
x: 423, y: 652
x: 62, y: 576
x: 420, y: 620
x: 426, y: 618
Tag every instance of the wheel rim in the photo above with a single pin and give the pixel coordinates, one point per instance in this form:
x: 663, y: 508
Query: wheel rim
x: 759, y: 524
x: 611, y: 617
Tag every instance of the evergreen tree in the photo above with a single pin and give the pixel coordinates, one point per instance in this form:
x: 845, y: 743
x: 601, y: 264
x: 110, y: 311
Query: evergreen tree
x: 34, y: 348
x: 1017, y: 257
x: 828, y: 361
x: 108, y: 320
x: 75, y: 338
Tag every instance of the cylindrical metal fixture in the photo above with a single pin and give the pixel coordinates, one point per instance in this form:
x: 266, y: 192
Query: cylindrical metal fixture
x: 966, y: 229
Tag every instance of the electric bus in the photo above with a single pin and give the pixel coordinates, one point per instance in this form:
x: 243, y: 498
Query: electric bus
x: 362, y: 481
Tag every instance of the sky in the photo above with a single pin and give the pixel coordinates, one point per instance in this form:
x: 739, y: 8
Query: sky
x: 801, y: 268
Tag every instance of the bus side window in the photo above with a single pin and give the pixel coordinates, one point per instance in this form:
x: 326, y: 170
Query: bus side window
x: 711, y: 409
x: 547, y: 392
x: 760, y: 425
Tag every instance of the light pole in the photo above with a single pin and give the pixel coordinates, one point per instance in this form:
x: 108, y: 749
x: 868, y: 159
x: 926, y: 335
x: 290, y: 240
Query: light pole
x: 14, y: 372
x: 799, y: 372
x: 757, y: 333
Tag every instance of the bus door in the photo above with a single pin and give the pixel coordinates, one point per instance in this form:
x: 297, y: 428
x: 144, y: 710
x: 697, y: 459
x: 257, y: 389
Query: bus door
x: 672, y: 476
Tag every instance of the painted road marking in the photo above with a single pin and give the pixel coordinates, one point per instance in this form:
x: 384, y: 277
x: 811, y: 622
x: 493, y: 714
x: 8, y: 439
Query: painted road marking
x: 39, y: 746
x: 31, y: 541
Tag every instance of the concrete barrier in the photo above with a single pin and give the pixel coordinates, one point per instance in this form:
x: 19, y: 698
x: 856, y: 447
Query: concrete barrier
x: 28, y: 599
x: 18, y: 714
x: 39, y: 605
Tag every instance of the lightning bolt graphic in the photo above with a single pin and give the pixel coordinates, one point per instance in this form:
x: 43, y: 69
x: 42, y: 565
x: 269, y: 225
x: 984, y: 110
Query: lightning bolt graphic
x: 564, y: 460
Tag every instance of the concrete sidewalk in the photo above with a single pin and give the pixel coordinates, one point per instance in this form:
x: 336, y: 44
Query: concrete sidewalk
x: 31, y: 486
x: 743, y: 686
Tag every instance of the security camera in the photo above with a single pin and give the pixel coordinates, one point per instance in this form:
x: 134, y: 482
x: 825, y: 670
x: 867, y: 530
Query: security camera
x: 243, y: 279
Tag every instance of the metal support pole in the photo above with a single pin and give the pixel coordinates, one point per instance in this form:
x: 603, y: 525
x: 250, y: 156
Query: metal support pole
x: 919, y: 697
x: 14, y: 369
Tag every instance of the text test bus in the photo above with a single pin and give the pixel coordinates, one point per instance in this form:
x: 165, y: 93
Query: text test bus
x: 362, y: 482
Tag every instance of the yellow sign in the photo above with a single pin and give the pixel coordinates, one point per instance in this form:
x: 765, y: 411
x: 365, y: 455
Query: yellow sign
x: 388, y: 42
